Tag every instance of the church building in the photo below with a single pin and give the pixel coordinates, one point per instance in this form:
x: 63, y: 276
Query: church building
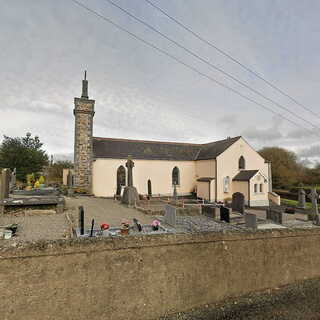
x: 213, y: 171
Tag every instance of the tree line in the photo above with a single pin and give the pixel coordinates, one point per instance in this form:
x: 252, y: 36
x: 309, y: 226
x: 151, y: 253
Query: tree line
x: 27, y: 155
x: 287, y: 171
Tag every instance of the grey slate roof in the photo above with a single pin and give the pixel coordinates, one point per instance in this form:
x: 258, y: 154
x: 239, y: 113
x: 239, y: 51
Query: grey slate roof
x: 244, y: 175
x: 205, y: 179
x: 155, y: 150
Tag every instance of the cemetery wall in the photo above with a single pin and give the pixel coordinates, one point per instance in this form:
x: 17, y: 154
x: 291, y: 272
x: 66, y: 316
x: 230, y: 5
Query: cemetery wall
x: 146, y: 277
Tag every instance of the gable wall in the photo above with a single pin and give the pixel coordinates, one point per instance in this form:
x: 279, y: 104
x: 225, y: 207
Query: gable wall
x: 205, y: 168
x: 158, y: 171
x: 227, y: 165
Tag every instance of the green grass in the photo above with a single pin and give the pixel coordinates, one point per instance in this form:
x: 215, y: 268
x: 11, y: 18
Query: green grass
x: 293, y: 203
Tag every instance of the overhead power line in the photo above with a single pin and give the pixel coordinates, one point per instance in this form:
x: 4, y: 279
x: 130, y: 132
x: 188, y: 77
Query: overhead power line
x: 187, y: 65
x: 207, y: 62
x: 223, y: 52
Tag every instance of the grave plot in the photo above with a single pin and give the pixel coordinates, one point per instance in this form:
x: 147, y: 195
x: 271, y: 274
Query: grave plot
x: 156, y: 206
x: 127, y: 228
x: 31, y: 215
x: 32, y: 226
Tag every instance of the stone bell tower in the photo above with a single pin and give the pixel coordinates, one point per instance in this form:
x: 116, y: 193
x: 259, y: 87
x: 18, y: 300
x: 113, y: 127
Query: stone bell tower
x: 83, y: 112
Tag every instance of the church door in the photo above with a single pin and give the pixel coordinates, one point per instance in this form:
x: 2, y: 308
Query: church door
x: 121, y: 179
x: 149, y: 188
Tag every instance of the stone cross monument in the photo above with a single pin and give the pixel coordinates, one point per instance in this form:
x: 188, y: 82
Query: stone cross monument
x: 130, y: 165
x: 301, y: 199
x: 83, y: 112
x: 130, y: 193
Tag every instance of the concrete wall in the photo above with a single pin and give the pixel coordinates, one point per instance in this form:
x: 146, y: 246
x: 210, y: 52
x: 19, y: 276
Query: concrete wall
x: 227, y: 165
x: 145, y: 277
x: 158, y: 171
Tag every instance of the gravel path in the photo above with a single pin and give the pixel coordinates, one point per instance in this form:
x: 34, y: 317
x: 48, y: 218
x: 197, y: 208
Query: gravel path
x: 104, y: 211
x: 38, y: 227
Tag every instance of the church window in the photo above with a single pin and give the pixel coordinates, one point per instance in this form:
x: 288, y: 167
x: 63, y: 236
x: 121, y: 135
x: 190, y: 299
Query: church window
x: 255, y: 188
x: 242, y: 163
x: 175, y: 176
x: 261, y: 187
x: 226, y: 184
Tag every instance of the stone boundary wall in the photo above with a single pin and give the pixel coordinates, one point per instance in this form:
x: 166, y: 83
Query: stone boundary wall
x: 148, y: 276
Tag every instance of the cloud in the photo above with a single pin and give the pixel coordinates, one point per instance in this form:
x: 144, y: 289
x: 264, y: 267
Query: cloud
x: 310, y: 152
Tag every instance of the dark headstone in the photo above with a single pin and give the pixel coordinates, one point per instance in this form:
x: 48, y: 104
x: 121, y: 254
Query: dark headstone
x: 225, y: 214
x: 290, y: 210
x: 137, y: 225
x: 250, y: 220
x: 81, y: 220
x: 238, y: 202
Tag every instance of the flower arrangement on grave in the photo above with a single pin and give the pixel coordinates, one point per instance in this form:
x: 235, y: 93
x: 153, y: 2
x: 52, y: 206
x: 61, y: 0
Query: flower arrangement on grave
x: 104, y: 226
x: 125, y: 225
x: 30, y: 179
x: 155, y: 225
x: 37, y: 184
x: 41, y: 181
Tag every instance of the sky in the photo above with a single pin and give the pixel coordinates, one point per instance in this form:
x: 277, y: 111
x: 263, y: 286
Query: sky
x: 141, y: 93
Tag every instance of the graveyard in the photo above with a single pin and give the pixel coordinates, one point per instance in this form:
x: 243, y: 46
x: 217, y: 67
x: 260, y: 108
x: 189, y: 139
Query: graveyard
x: 46, y: 214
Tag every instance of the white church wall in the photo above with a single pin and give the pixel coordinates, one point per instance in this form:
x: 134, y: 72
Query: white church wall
x: 158, y: 171
x: 205, y: 168
x: 228, y: 165
x: 203, y: 190
x: 258, y: 197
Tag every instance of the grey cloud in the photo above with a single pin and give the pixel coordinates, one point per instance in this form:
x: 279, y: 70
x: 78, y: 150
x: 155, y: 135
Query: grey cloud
x: 313, y: 151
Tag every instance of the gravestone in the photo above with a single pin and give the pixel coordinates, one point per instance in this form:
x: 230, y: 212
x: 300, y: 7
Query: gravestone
x: 13, y: 180
x: 225, y: 214
x: 276, y: 216
x: 137, y: 225
x: 238, y: 202
x: 81, y: 220
x: 69, y: 179
x: 250, y: 220
x: 130, y: 193
x: 5, y: 183
x: 170, y: 215
x: 313, y: 216
x: 209, y: 211
x: 4, y: 187
x: 301, y: 199
x: 175, y: 193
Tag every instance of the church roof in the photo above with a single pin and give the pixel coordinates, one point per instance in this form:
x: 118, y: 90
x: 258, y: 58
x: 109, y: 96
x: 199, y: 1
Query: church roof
x: 156, y: 150
x: 245, y: 175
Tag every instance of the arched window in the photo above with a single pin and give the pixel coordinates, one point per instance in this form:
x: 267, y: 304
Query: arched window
x: 226, y: 184
x: 175, y: 176
x: 242, y: 163
x: 121, y: 179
